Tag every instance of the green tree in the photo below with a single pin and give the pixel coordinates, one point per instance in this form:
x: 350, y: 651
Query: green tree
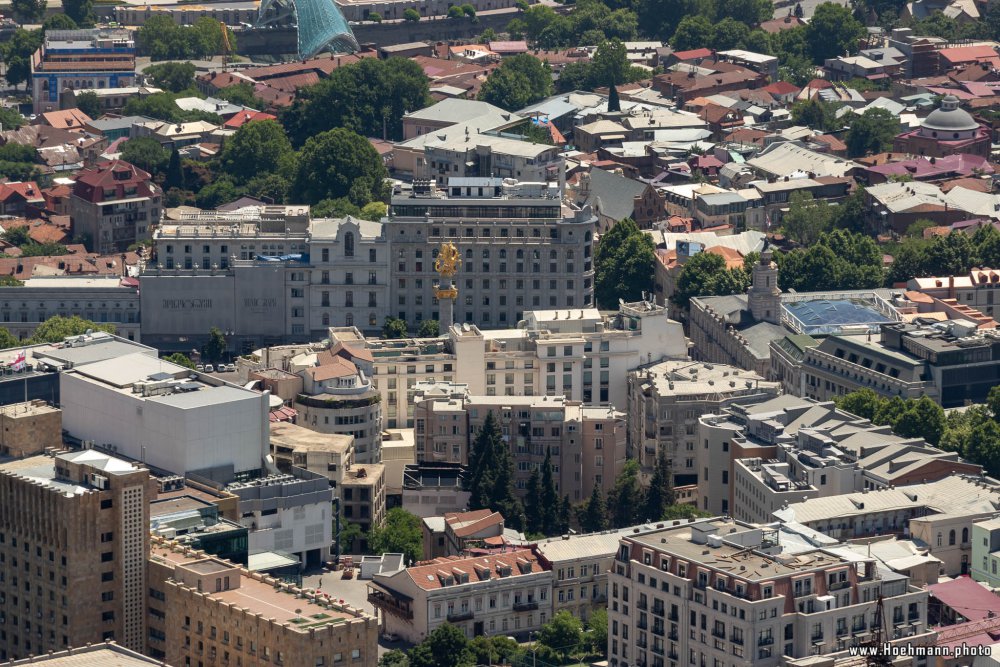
x: 374, y: 211
x: 922, y: 418
x: 597, y: 632
x: 394, y: 658
x: 216, y: 347
x: 56, y: 329
x: 623, y: 264
x: 58, y: 22
x: 993, y: 401
x: 368, y: 97
x: 729, y: 34
x: 683, y: 511
x: 159, y: 106
x: 43, y: 250
x: 610, y: 65
x: 429, y: 329
x: 174, y: 174
x: 411, y: 15
x: 816, y: 114
x: 549, y: 513
x: 334, y: 208
x: 269, y: 187
x: 495, y: 650
x: 374, y: 17
x: 807, y: 218
x: 625, y: 499
x: 533, y: 505
x: 706, y: 274
x: 10, y: 281
x: 491, y: 475
x: 28, y: 11
x: 7, y: 339
x: 161, y: 38
x: 340, y: 163
x: 748, y: 12
x: 659, y: 18
x: 17, y: 236
x: 594, y: 515
x: 832, y: 32
x: 693, y: 32
x: 350, y: 534
x: 984, y: 446
x: 241, y: 94
x: 660, y: 494
x: 455, y: 12
x: 180, y: 359
x: 562, y: 635
x: 394, y: 328
x: 172, y: 76
x: 520, y: 80
x: 81, y: 11
x: 872, y: 132
x: 261, y: 147
x: 401, y: 533
x: 949, y: 255
x: 861, y: 402
x: 147, y: 154
x: 89, y: 103
x: 10, y: 119
x: 445, y: 647
x: 221, y: 191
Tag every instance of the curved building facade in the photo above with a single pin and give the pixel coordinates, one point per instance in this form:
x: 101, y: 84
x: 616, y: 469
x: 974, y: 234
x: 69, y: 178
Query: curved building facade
x: 320, y: 25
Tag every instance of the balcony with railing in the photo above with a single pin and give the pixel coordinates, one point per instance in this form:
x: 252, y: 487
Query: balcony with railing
x: 530, y: 605
x: 461, y: 615
x: 389, y: 604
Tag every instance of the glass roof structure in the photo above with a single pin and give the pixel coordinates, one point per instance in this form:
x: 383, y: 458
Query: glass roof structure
x: 833, y: 316
x: 320, y: 25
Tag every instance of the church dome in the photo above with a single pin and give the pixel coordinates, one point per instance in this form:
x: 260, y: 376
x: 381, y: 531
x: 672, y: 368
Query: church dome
x: 949, y: 118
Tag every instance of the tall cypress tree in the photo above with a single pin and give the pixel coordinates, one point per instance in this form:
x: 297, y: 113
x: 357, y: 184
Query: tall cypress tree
x: 550, y: 497
x: 483, y: 463
x: 175, y: 174
x: 660, y: 494
x: 594, y: 516
x: 533, y: 504
x: 565, y: 515
x: 501, y: 496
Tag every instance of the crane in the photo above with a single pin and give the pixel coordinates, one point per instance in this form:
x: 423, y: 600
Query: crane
x: 227, y: 48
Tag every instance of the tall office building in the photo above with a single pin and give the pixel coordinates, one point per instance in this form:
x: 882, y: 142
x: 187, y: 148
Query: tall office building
x: 74, y: 534
x: 522, y: 248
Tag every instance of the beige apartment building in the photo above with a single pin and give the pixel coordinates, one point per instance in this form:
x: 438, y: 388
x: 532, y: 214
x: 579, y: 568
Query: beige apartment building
x: 74, y: 532
x: 667, y: 399
x: 207, y: 611
x: 29, y: 428
x: 578, y: 353
x: 716, y: 592
x: 587, y: 444
x: 360, y: 487
x: 500, y: 594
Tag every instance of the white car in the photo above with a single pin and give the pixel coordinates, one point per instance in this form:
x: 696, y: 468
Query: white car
x: 199, y: 367
x: 209, y: 368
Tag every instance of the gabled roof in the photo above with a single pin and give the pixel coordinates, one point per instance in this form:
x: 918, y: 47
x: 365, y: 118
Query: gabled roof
x: 331, y: 367
x: 67, y: 119
x: 613, y: 195
x: 26, y: 190
x: 243, y: 117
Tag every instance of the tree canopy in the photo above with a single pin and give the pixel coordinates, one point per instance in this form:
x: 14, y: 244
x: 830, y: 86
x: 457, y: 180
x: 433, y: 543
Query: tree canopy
x: 147, y: 154
x: 340, y: 163
x: 172, y: 76
x: 519, y: 81
x: 57, y: 328
x: 364, y: 97
x: 872, y: 132
x: 258, y: 148
x: 394, y: 328
x: 401, y: 533
x: 161, y: 38
x: 832, y: 31
x: 706, y: 274
x: 623, y: 264
x: 491, y: 474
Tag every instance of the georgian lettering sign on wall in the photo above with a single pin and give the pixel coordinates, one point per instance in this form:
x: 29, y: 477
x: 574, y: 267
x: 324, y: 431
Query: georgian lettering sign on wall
x: 259, y: 305
x: 187, y: 304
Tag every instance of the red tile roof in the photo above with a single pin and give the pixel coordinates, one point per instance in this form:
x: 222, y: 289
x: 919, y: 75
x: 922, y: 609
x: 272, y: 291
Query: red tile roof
x: 114, y: 175
x: 430, y: 575
x: 67, y: 119
x: 781, y: 88
x: 26, y: 190
x: 692, y: 54
x: 243, y: 117
x: 963, y: 54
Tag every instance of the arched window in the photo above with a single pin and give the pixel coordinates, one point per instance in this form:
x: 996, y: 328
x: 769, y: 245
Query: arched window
x: 951, y: 538
x: 965, y: 536
x: 552, y: 254
x: 349, y: 244
x: 468, y: 253
x: 503, y: 253
x: 520, y: 254
x: 570, y: 254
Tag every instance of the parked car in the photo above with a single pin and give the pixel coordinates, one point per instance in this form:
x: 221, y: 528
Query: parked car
x: 209, y: 368
x: 199, y: 367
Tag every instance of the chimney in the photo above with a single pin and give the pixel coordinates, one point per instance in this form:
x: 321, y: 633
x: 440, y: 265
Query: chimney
x: 951, y: 287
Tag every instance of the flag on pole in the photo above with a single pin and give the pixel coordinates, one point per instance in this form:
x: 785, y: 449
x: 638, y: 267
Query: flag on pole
x: 767, y: 221
x: 19, y: 361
